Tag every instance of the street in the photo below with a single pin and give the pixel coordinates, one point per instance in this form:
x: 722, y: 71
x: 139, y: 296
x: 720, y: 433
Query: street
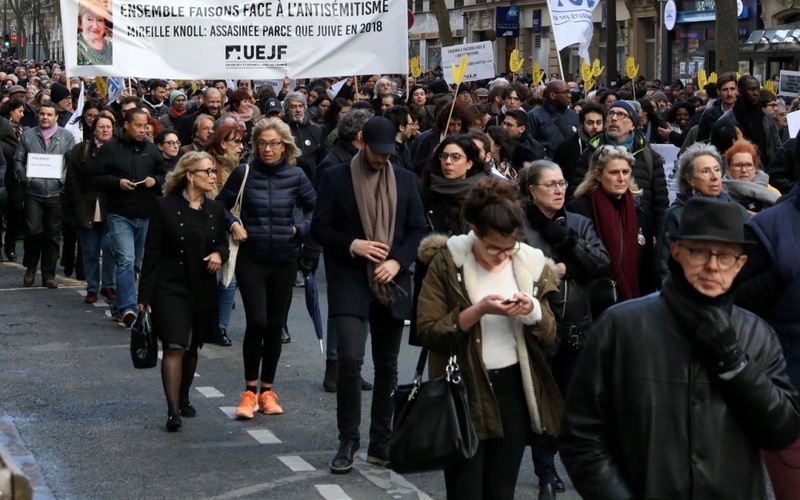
x: 84, y: 424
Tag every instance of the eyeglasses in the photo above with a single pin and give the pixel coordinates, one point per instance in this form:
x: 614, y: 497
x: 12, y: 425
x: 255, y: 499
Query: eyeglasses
x: 209, y: 171
x: 271, y: 144
x: 551, y: 186
x: 454, y: 157
x: 740, y: 166
x: 238, y: 142
x: 618, y: 115
x: 494, y: 251
x: 700, y: 256
x: 172, y: 143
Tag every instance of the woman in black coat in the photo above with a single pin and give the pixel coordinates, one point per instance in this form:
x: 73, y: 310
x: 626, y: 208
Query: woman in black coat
x: 185, y: 247
x: 570, y: 240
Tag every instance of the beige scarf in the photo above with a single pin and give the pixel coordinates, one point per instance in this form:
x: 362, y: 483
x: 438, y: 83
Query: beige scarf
x: 376, y: 198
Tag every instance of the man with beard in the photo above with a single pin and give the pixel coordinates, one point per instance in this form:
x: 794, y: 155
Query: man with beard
x: 154, y: 100
x: 307, y: 136
x: 369, y: 220
x: 728, y: 92
x: 404, y: 124
x: 648, y: 168
x: 592, y: 118
x: 749, y: 117
x: 212, y: 106
x: 554, y: 121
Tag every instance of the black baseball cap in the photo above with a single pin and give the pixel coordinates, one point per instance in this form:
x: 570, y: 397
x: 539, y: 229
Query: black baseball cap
x: 379, y: 134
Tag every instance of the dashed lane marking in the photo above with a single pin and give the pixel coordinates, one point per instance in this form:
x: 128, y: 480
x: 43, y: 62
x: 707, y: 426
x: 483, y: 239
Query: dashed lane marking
x: 264, y: 436
x: 388, y: 480
x: 230, y: 411
x: 209, y: 392
x: 296, y: 464
x: 331, y: 492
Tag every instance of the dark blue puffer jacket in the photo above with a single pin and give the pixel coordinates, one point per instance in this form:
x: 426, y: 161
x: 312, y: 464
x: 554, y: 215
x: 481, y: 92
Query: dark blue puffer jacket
x: 268, y: 206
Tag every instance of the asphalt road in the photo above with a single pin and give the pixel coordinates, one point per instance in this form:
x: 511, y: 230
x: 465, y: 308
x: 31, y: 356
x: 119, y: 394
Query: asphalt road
x: 83, y: 423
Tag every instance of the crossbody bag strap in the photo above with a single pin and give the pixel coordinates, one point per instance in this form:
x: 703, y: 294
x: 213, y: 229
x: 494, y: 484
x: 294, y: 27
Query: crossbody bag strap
x: 423, y: 358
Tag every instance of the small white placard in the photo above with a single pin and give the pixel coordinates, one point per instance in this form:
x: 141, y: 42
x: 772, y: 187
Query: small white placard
x: 44, y: 166
x: 793, y: 119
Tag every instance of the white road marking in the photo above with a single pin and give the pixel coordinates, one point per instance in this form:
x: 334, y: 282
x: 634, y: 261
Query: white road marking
x: 296, y: 464
x: 209, y: 392
x: 264, y: 436
x: 230, y: 411
x: 101, y: 303
x: 331, y: 492
x: 388, y: 480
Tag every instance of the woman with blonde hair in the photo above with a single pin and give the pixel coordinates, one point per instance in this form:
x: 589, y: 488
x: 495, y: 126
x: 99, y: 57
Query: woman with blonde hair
x: 269, y: 235
x: 185, y: 247
x: 610, y: 197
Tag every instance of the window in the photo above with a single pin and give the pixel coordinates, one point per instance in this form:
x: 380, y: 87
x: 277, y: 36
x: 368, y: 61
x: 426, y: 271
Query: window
x: 457, y: 4
x: 418, y: 6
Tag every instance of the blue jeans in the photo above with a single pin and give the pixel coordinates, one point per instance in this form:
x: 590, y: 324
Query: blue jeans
x: 227, y: 298
x: 127, y: 236
x: 94, y: 240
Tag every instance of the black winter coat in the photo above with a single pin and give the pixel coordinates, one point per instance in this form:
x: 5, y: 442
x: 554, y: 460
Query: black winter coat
x: 268, y: 205
x: 646, y: 419
x: 309, y: 140
x: 79, y: 192
x: 123, y: 158
x: 175, y: 280
x: 341, y: 152
x: 575, y: 243
x: 783, y: 168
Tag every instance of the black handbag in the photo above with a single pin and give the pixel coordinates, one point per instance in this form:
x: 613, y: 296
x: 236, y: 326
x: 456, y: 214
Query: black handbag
x: 602, y: 295
x: 432, y: 427
x: 144, y: 344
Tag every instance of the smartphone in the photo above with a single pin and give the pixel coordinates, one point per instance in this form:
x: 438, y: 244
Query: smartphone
x: 510, y: 301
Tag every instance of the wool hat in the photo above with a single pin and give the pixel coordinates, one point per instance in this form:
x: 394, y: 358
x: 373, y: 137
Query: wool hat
x: 482, y: 92
x: 174, y: 95
x: 626, y: 105
x: 711, y: 219
x: 59, y: 92
x: 659, y: 96
x: 14, y: 89
x: 379, y: 134
x: 439, y: 87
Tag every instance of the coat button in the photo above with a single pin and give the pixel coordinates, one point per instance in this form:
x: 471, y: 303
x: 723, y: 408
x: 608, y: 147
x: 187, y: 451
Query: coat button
x: 181, y: 237
x: 478, y: 340
x: 181, y: 224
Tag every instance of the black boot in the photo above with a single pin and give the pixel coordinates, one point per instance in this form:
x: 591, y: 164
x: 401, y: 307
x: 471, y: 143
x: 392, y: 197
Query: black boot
x: 329, y: 382
x: 342, y: 463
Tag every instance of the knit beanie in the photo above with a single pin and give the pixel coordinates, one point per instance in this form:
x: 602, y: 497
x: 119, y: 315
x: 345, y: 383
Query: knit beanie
x: 628, y: 108
x: 59, y: 92
x: 174, y: 95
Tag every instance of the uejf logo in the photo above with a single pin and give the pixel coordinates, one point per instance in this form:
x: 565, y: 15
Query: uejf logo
x: 253, y: 53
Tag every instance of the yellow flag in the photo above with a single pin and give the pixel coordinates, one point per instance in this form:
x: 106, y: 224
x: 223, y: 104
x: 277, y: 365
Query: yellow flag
x: 416, y: 70
x: 588, y: 85
x: 458, y: 72
x: 515, y: 61
x: 712, y: 78
x: 537, y: 73
x: 586, y: 72
x: 768, y: 85
x: 631, y: 68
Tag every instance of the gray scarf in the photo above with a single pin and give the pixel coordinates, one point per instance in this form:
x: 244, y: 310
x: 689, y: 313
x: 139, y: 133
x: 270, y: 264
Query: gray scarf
x: 376, y: 198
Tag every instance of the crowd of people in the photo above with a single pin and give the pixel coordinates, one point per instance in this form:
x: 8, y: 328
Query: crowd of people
x: 501, y: 219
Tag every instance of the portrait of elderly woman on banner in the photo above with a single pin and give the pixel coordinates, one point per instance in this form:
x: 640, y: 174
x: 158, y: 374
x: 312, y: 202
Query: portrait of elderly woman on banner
x: 94, y: 33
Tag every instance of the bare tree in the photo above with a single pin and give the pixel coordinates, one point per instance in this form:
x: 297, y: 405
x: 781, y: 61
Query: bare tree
x: 20, y: 9
x: 439, y: 7
x: 727, y: 37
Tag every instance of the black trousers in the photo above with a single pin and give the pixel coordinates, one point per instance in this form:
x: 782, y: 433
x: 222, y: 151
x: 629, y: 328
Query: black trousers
x: 492, y: 472
x: 266, y: 292
x: 43, y: 218
x: 352, y: 335
x: 15, y: 215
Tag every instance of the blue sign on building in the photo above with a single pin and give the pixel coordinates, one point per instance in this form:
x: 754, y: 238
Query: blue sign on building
x: 507, y: 21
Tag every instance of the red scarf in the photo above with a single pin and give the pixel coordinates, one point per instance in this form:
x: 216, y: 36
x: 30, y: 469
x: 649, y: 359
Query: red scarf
x: 176, y: 113
x: 619, y: 231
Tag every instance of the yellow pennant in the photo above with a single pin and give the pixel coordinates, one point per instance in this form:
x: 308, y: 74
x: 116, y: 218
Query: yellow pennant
x: 597, y: 70
x: 416, y: 70
x: 586, y: 72
x: 631, y: 68
x: 537, y: 73
x: 588, y: 85
x: 515, y: 62
x: 458, y: 72
x: 102, y: 85
x: 768, y: 85
x: 702, y: 80
x: 712, y: 78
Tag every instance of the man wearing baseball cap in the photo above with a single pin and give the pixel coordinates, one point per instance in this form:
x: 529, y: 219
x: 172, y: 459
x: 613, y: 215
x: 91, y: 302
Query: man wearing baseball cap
x: 676, y: 394
x: 369, y: 221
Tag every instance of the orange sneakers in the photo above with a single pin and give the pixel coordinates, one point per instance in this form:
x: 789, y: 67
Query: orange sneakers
x: 268, y: 403
x: 247, y: 406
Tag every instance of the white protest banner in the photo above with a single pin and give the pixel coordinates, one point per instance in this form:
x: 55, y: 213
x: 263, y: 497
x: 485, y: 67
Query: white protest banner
x: 74, y: 123
x: 572, y: 23
x: 44, y: 166
x: 789, y: 83
x: 670, y: 155
x: 480, y: 65
x: 793, y: 122
x: 233, y: 39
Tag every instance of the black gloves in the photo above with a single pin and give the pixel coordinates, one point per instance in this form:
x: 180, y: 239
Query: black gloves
x: 307, y: 265
x: 717, y: 339
x: 557, y: 234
